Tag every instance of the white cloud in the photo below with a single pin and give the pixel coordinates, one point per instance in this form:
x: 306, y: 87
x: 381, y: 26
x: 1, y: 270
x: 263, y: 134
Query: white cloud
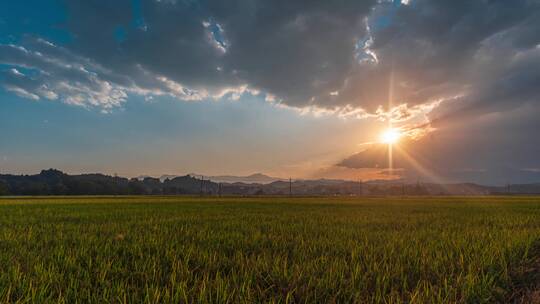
x: 75, y: 80
x: 21, y: 92
x: 16, y: 72
x: 45, y: 92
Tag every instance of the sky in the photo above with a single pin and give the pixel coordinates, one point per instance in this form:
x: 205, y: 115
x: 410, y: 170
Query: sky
x: 298, y: 89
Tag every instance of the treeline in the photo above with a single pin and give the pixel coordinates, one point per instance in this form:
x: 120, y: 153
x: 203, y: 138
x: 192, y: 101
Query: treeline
x: 54, y: 182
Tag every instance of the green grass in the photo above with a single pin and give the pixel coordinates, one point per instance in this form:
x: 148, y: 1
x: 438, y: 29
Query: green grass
x: 170, y: 249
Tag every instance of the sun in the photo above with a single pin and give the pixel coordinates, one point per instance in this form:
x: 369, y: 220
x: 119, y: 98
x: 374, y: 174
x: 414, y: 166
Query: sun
x: 390, y: 136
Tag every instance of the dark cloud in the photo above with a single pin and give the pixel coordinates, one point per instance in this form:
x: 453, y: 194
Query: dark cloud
x: 481, y: 60
x: 295, y: 50
x: 438, y: 49
x: 308, y: 53
x: 495, y: 148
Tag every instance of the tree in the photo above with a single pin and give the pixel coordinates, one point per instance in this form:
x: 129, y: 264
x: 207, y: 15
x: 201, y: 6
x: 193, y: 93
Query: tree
x: 4, y: 190
x: 136, y: 187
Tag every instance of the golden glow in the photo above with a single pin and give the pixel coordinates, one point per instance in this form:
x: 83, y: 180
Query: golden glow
x: 390, y: 136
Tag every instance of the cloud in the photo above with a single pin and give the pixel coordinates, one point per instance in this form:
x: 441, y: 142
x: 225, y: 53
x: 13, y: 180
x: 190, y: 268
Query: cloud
x: 493, y: 148
x: 21, y: 92
x: 51, y: 72
x: 337, y: 57
x: 48, y: 71
x: 293, y: 52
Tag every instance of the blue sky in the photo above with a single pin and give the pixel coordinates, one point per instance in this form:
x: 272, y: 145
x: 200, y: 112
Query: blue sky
x: 300, y: 89
x: 164, y: 136
x: 160, y: 136
x: 40, y: 18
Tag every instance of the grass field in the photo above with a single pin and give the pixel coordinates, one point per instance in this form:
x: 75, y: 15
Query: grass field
x: 248, y: 250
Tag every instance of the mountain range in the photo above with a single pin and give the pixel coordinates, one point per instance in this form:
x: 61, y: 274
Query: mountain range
x: 257, y: 178
x: 55, y: 182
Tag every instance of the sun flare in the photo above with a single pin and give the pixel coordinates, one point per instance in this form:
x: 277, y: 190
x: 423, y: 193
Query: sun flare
x: 390, y: 136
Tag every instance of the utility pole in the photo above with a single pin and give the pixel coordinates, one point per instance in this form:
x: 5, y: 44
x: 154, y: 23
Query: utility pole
x: 219, y: 189
x: 116, y: 183
x: 202, y: 181
x: 290, y: 187
x: 360, y: 190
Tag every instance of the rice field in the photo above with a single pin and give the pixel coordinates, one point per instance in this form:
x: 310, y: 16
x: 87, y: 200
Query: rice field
x: 276, y: 250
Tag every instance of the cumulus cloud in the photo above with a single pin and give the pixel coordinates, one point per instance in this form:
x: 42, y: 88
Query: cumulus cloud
x: 50, y: 72
x: 333, y: 56
x: 43, y: 70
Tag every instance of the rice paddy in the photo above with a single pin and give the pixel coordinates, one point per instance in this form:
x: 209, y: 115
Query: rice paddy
x: 277, y: 250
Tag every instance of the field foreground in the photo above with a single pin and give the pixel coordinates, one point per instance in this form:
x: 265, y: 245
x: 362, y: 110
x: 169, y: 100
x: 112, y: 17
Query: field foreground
x: 248, y: 250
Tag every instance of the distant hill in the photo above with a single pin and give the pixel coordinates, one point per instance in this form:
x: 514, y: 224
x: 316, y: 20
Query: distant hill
x: 55, y: 182
x: 257, y: 178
